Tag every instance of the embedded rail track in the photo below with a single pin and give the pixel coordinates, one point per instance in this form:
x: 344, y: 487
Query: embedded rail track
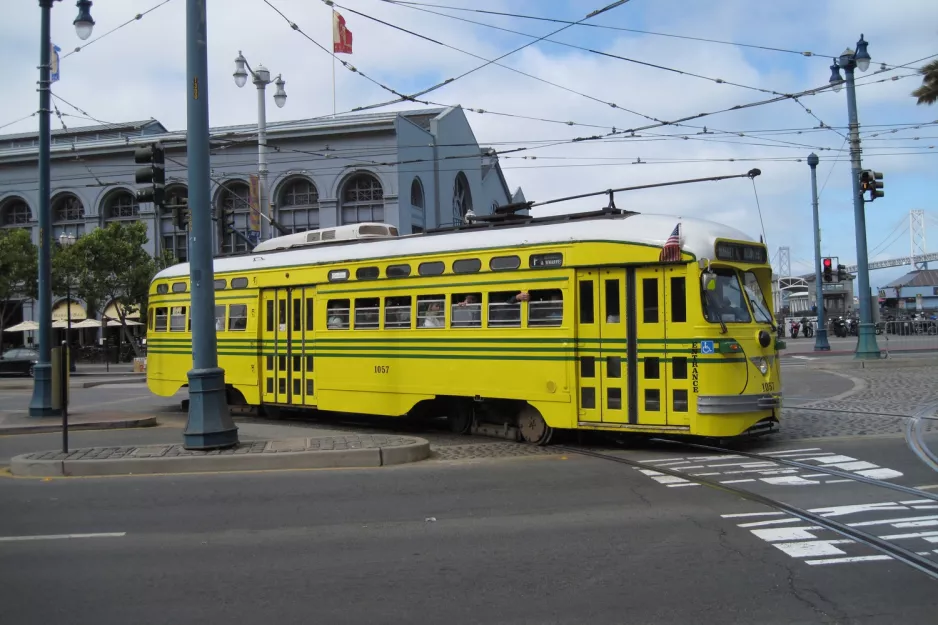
x: 910, y: 558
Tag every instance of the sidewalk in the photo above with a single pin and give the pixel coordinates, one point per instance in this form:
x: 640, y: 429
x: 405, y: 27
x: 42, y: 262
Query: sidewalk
x: 22, y: 424
x: 339, y: 451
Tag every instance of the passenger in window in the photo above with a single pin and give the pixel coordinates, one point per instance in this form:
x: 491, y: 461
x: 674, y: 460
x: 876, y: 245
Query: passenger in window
x: 468, y: 312
x: 506, y: 310
x: 546, y: 309
x: 434, y: 316
x: 337, y: 318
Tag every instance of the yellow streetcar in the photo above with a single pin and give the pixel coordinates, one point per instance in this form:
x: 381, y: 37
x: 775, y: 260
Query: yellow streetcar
x: 613, y: 321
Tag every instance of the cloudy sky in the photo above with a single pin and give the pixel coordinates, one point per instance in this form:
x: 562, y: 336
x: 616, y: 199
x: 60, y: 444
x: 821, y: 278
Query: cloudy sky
x: 138, y: 72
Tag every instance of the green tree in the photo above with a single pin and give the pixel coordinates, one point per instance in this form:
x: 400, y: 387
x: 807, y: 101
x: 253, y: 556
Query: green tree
x: 110, y: 265
x: 19, y: 273
x: 928, y: 92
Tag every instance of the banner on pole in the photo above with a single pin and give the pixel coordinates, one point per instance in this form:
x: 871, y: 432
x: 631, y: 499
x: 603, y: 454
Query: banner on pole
x: 254, y: 217
x: 54, y: 73
x: 341, y: 35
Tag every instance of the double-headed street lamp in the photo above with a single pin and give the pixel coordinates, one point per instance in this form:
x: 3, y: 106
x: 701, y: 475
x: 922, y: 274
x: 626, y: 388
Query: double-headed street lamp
x: 261, y: 78
x: 41, y: 403
x: 848, y: 61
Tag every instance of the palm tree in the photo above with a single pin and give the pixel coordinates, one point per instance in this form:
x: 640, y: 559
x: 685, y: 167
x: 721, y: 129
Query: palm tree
x: 928, y: 92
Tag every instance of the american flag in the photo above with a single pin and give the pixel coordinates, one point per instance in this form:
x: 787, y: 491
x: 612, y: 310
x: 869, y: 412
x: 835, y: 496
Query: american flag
x: 671, y: 252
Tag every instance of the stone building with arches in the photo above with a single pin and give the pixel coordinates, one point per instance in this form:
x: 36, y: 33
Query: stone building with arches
x: 418, y: 170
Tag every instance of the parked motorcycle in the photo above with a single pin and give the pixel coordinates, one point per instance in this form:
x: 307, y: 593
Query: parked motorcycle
x: 839, y: 327
x: 794, y: 329
x: 808, y: 331
x: 853, y: 327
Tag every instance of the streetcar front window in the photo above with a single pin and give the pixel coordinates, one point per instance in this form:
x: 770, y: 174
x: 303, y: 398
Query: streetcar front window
x: 757, y: 298
x: 725, y: 301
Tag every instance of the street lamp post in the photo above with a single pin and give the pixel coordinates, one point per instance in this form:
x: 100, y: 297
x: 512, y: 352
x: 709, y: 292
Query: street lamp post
x: 66, y: 241
x: 261, y: 78
x: 820, y: 337
x: 40, y: 405
x: 209, y: 425
x: 849, y: 61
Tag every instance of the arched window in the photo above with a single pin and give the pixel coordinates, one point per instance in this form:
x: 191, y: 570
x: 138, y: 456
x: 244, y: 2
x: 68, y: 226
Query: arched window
x: 15, y: 213
x: 362, y: 199
x: 121, y: 206
x: 418, y: 214
x: 299, y: 205
x: 174, y: 240
x: 233, y: 199
x: 462, y: 198
x: 68, y: 216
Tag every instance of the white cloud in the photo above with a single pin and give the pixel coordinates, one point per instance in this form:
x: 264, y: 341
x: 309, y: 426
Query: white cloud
x: 139, y: 72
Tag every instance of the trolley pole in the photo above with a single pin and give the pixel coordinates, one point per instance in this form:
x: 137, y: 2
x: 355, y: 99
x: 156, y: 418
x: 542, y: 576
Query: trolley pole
x: 209, y: 425
x: 820, y: 337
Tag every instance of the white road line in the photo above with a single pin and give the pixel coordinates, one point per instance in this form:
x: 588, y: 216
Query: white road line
x: 893, y: 521
x: 880, y: 474
x: 812, y: 548
x: 931, y: 523
x: 735, y: 481
x: 845, y: 560
x: 684, y: 484
x: 772, y: 522
x: 791, y: 451
x: 915, y: 501
x: 62, y: 536
x: 854, y: 466
x: 912, y: 535
x: 788, y: 480
x: 787, y: 534
x: 740, y: 515
x: 838, y: 481
x: 713, y: 473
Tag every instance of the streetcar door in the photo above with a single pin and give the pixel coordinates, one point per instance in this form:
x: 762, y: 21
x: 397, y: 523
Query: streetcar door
x: 303, y: 380
x: 275, y: 336
x: 681, y: 368
x: 612, y: 359
x: 588, y: 347
x: 649, y: 320
x: 602, y: 346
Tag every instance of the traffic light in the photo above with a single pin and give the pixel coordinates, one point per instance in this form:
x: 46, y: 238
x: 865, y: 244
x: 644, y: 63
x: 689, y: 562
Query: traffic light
x: 154, y: 174
x: 827, y: 266
x: 181, y: 214
x: 870, y: 181
x: 842, y: 273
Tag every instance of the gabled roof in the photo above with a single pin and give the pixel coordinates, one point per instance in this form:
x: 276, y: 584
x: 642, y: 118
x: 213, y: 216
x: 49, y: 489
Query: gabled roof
x: 148, y: 126
x: 921, y: 277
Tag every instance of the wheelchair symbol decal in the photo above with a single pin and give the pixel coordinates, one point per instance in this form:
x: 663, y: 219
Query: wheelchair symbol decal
x: 706, y: 347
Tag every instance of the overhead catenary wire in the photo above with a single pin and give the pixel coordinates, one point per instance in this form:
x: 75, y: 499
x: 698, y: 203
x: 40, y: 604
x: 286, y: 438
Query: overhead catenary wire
x: 135, y: 18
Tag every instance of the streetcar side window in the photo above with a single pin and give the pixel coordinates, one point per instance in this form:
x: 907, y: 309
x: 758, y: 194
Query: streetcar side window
x: 586, y: 301
x: 177, y: 319
x: 297, y: 314
x: 367, y: 313
x: 504, y: 309
x: 650, y: 300
x: 219, y: 318
x: 430, y: 311
x: 678, y: 300
x: 150, y: 317
x: 397, y: 313
x: 309, y: 313
x: 237, y: 317
x: 545, y: 308
x: 466, y: 310
x: 161, y: 319
x: 337, y: 314
x: 270, y: 315
x: 613, y: 312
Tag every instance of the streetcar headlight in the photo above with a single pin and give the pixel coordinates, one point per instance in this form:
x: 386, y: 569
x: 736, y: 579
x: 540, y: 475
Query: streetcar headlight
x: 761, y: 364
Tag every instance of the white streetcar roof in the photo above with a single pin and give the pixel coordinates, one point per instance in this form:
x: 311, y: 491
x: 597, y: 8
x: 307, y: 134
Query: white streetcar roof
x: 698, y: 237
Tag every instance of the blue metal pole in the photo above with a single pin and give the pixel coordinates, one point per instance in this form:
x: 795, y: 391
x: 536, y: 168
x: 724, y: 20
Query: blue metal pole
x: 209, y: 425
x: 866, y: 341
x: 820, y: 337
x: 41, y: 403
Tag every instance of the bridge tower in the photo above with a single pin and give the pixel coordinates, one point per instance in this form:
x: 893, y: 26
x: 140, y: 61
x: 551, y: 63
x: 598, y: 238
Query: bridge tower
x: 784, y: 271
x: 917, y: 238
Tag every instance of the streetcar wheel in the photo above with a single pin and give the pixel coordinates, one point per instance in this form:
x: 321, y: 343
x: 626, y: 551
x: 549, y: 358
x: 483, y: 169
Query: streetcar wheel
x: 533, y: 428
x: 459, y: 418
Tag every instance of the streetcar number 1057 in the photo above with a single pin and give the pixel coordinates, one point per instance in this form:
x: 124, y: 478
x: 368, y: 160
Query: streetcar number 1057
x: 382, y: 369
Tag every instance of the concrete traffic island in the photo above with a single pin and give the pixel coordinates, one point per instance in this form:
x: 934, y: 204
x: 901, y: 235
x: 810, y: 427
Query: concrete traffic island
x: 345, y: 451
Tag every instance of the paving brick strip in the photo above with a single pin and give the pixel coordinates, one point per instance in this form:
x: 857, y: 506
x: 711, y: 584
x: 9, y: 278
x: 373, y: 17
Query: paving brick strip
x: 353, y: 450
x: 866, y: 410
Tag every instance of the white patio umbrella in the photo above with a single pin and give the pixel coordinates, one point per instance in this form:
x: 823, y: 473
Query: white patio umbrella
x: 86, y: 323
x: 114, y: 323
x: 25, y: 326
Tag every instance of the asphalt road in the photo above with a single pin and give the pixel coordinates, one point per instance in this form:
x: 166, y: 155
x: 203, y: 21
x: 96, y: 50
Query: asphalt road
x: 536, y: 539
x: 551, y: 539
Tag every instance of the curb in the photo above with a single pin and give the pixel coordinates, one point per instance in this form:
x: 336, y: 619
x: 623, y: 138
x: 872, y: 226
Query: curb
x: 121, y: 380
x: 22, y: 466
x: 124, y: 424
x: 882, y: 363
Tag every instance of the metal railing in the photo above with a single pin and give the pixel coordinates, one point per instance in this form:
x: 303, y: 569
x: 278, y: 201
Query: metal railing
x: 907, y: 335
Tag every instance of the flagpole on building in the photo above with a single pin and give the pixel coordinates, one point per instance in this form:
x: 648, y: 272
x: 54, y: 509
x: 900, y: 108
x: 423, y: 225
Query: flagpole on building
x: 333, y: 67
